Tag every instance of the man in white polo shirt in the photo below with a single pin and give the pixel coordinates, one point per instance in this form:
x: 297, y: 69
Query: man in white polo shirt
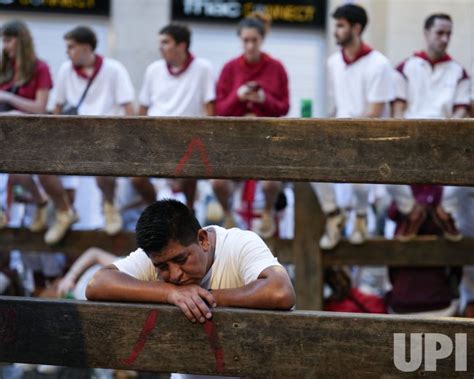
x: 430, y: 84
x: 178, y: 85
x: 360, y: 83
x: 92, y: 85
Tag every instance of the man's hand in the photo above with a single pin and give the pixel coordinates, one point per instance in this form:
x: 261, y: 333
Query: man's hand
x: 64, y: 286
x: 191, y: 299
x: 5, y: 96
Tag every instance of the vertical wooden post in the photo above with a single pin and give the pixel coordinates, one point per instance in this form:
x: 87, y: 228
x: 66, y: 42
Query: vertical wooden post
x: 309, y: 226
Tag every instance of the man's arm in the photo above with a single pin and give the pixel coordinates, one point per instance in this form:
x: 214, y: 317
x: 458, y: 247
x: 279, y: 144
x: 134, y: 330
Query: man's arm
x: 374, y: 110
x: 129, y: 111
x: 272, y: 290
x: 143, y: 111
x: 209, y: 108
x: 460, y: 112
x: 112, y: 285
x: 398, y: 108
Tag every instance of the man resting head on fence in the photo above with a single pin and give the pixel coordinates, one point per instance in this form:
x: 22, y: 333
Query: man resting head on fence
x: 194, y: 268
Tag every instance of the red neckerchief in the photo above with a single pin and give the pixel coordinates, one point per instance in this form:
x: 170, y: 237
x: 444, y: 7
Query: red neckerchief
x: 97, y: 65
x: 363, y: 51
x: 183, y: 68
x: 424, y: 55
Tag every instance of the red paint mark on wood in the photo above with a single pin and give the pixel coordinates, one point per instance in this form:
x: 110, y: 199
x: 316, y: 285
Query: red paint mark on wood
x: 8, y: 326
x: 211, y: 332
x: 150, y: 324
x: 195, y: 144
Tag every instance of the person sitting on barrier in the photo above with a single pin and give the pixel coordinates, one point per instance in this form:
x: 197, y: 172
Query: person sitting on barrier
x: 360, y: 81
x: 430, y: 84
x: 194, y: 268
x: 92, y: 85
x: 424, y: 291
x: 178, y: 85
x: 25, y: 83
x: 252, y: 85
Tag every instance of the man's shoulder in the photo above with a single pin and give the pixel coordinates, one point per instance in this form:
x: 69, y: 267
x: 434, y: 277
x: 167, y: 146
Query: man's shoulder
x: 66, y: 67
x: 202, y: 63
x: 376, y: 58
x: 113, y: 65
x: 156, y: 66
x: 335, y: 57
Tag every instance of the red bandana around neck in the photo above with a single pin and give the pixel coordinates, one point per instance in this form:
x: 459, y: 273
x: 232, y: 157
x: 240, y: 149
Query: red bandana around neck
x: 183, y: 68
x: 424, y: 55
x: 97, y: 65
x: 363, y: 51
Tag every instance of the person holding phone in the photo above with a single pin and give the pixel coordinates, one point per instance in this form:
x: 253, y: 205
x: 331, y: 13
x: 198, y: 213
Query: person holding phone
x: 252, y: 85
x: 25, y: 83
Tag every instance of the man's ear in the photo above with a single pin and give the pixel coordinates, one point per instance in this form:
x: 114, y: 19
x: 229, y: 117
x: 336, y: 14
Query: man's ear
x: 203, y: 239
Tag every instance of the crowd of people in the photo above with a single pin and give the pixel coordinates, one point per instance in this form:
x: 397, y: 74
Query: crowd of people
x: 362, y: 83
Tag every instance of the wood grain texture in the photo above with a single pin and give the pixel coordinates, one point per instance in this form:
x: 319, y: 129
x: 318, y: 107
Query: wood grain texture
x: 326, y: 150
x: 239, y: 342
x: 309, y: 226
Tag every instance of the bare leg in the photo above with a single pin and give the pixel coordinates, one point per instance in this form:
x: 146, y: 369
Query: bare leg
x: 145, y: 188
x: 271, y: 190
x: 107, y: 187
x: 55, y: 190
x: 223, y: 190
x: 189, y: 188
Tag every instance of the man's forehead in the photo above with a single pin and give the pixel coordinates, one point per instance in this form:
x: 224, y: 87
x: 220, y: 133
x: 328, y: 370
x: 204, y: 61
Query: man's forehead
x: 172, y: 250
x: 441, y: 23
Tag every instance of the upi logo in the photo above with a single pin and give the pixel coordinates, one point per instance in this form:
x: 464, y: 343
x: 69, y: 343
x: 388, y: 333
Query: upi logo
x: 436, y: 346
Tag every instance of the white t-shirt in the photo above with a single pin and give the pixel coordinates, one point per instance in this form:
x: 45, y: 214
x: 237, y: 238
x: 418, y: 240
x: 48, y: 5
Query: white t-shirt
x: 352, y: 86
x: 110, y: 90
x: 431, y: 90
x: 178, y: 95
x: 239, y: 258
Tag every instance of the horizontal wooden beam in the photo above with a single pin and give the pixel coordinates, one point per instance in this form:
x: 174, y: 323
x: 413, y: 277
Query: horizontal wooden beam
x: 422, y: 251
x: 237, y: 342
x: 73, y: 245
x: 326, y: 150
x: 77, y: 241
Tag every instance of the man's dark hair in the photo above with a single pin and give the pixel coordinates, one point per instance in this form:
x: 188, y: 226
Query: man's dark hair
x: 179, y: 32
x: 82, y: 34
x: 165, y: 221
x: 353, y: 13
x: 429, y: 22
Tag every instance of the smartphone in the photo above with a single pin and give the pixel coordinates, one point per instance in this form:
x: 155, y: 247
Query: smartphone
x: 254, y: 86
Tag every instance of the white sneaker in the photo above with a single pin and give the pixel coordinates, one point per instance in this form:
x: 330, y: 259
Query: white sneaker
x: 47, y: 369
x: 359, y: 233
x: 215, y: 213
x: 113, y: 219
x: 3, y: 219
x: 64, y: 220
x: 333, y: 232
x: 40, y: 219
x: 267, y: 227
x: 25, y: 366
